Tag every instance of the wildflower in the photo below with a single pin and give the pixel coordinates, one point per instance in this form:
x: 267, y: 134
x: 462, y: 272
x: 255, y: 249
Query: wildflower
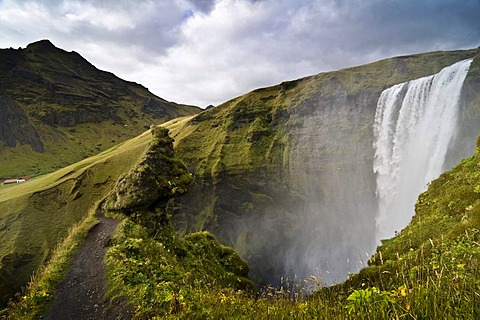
x: 223, y: 298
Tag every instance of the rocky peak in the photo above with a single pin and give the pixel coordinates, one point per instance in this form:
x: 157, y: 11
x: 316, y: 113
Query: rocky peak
x: 41, y: 46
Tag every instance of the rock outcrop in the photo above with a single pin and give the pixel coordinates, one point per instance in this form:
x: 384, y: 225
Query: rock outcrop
x: 154, y: 180
x: 15, y: 126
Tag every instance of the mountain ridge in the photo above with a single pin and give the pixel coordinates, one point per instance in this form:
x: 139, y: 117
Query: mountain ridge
x: 62, y: 100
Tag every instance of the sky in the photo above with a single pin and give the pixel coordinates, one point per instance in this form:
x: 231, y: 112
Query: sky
x: 204, y: 52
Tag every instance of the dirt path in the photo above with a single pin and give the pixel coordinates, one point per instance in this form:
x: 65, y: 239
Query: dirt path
x: 81, y: 294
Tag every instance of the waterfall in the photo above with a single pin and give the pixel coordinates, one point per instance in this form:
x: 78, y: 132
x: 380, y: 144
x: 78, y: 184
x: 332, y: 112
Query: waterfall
x: 414, y: 124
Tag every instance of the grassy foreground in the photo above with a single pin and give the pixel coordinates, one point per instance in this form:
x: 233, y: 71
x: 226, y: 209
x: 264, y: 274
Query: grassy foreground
x: 37, y: 214
x: 41, y: 289
x: 429, y: 271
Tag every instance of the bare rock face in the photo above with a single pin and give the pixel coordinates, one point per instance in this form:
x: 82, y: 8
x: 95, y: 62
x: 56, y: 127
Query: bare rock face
x: 15, y: 127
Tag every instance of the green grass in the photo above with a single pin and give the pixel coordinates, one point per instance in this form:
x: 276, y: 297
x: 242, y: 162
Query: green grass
x: 36, y: 214
x: 429, y: 271
x: 161, y: 276
x: 41, y: 290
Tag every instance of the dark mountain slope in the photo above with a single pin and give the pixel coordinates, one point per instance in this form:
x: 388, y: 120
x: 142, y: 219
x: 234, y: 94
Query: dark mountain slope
x: 57, y: 108
x: 22, y: 131
x: 284, y: 174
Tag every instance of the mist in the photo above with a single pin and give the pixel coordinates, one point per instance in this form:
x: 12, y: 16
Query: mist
x: 356, y: 168
x: 415, y: 124
x: 348, y: 175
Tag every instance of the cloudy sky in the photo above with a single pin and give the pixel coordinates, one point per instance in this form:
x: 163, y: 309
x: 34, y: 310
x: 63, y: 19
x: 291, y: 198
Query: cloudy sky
x: 207, y: 51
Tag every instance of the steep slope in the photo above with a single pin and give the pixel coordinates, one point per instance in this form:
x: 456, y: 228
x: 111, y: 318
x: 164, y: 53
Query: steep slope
x: 431, y: 268
x: 155, y: 271
x: 35, y: 215
x: 284, y: 174
x: 56, y: 108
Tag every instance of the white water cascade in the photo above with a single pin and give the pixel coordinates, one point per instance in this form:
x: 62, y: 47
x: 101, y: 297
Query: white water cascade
x: 415, y: 122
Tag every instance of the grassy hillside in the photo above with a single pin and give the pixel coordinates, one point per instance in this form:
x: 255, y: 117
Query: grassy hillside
x: 147, y: 262
x: 35, y: 215
x: 428, y: 271
x: 435, y: 259
x: 56, y: 109
x: 266, y: 161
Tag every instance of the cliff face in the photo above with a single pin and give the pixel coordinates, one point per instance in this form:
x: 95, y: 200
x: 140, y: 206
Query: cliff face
x: 468, y: 129
x: 62, y: 101
x: 15, y: 127
x: 284, y: 174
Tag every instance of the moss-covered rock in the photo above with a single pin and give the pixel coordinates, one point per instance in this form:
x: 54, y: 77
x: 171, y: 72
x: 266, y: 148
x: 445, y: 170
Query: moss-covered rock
x: 154, y: 180
x: 163, y: 276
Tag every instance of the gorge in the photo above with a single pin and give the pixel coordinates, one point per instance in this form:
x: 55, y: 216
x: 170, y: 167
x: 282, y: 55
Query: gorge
x: 290, y: 177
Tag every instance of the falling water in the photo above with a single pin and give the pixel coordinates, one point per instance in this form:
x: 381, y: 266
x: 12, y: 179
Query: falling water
x: 414, y: 124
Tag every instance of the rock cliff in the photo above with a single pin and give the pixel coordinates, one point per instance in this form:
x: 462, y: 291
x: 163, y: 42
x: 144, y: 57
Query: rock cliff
x: 284, y: 174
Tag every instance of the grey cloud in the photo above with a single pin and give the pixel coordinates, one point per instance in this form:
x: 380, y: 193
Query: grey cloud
x: 234, y: 46
x: 203, y: 5
x: 287, y: 39
x: 344, y: 32
x: 207, y: 5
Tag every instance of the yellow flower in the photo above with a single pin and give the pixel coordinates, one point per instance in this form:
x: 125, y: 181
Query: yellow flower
x: 403, y: 292
x: 407, y: 306
x: 223, y: 298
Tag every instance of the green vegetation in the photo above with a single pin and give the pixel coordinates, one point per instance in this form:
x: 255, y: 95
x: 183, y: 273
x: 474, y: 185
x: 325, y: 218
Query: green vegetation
x: 429, y: 271
x: 167, y: 275
x: 36, y: 214
x: 57, y: 109
x: 41, y: 289
x: 436, y: 258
